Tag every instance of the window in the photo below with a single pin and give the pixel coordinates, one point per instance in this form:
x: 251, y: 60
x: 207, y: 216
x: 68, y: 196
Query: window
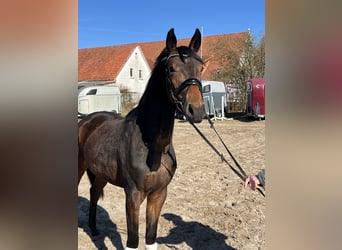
x: 206, y: 89
x: 249, y: 87
x: 92, y: 92
x: 131, y: 72
x: 140, y: 74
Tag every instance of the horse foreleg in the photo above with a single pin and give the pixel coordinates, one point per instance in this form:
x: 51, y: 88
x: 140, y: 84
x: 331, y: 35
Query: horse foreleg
x: 96, y: 191
x: 133, y: 202
x: 155, y: 202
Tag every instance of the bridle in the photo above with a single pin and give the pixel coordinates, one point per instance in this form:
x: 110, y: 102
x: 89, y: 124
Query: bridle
x: 174, y: 92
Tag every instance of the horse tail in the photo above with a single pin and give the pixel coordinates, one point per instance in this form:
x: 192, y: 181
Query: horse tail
x: 92, y: 177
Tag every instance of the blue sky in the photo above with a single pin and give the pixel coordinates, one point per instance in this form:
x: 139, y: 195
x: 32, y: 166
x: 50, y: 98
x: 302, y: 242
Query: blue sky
x: 114, y: 22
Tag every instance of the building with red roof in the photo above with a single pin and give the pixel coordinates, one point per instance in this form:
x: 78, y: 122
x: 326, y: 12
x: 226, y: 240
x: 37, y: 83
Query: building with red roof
x: 129, y: 65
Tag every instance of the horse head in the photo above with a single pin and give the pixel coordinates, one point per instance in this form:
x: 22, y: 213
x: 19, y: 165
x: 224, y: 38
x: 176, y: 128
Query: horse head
x: 183, y: 71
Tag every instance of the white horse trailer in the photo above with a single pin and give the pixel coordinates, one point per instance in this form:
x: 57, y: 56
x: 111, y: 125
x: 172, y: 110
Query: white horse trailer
x: 214, y: 97
x: 99, y: 98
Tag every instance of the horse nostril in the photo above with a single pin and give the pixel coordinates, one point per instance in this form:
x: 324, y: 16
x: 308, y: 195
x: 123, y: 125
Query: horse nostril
x: 191, y: 111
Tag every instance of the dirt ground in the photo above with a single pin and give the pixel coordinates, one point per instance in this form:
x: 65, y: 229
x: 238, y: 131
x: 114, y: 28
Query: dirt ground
x: 207, y: 206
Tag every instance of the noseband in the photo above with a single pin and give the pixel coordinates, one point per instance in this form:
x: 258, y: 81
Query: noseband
x: 174, y: 92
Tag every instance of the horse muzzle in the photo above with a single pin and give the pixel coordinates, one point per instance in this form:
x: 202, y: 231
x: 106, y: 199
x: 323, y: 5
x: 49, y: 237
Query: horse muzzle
x: 194, y: 113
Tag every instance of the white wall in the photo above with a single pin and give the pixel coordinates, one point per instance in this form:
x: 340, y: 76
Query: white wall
x: 135, y: 84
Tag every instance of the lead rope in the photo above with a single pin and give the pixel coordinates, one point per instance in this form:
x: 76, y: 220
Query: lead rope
x: 242, y: 175
x: 231, y: 155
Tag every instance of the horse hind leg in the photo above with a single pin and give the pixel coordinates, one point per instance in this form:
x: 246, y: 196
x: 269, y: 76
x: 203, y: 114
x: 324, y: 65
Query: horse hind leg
x: 96, y: 191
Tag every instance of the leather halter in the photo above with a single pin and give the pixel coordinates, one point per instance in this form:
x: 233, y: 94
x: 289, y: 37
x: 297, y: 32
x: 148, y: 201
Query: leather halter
x: 174, y: 92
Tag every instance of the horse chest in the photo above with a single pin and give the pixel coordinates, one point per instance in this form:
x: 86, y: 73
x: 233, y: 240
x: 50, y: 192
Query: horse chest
x: 148, y: 181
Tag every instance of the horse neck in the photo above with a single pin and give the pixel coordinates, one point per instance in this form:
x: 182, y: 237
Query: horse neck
x: 156, y: 113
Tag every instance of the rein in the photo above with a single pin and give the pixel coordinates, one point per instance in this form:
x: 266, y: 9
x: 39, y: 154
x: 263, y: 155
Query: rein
x: 241, y: 173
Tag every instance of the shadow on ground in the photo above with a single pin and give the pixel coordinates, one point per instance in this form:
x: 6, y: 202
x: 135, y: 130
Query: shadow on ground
x: 105, y: 226
x: 196, y: 235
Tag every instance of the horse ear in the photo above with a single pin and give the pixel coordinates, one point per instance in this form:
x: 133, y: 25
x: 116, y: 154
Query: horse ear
x: 171, y: 40
x: 195, y: 42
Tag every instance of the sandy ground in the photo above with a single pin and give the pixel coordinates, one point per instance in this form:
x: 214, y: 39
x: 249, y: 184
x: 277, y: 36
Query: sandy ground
x: 207, y: 206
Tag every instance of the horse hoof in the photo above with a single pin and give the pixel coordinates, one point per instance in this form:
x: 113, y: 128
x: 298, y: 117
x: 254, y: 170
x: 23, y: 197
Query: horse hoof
x: 152, y: 246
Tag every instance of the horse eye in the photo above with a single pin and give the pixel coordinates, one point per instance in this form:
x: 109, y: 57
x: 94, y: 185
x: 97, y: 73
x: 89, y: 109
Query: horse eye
x: 171, y: 69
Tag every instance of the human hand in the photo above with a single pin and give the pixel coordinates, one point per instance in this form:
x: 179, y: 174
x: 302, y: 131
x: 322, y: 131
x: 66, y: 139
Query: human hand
x: 252, y: 182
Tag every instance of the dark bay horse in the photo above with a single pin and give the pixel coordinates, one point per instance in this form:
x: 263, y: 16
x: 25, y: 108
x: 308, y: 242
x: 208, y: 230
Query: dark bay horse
x: 136, y: 152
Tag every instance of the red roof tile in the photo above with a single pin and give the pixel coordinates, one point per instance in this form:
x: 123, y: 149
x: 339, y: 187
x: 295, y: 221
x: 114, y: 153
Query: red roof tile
x: 104, y: 63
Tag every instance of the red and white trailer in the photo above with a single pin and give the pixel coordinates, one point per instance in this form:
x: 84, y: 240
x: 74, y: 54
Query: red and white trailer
x: 256, y: 98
